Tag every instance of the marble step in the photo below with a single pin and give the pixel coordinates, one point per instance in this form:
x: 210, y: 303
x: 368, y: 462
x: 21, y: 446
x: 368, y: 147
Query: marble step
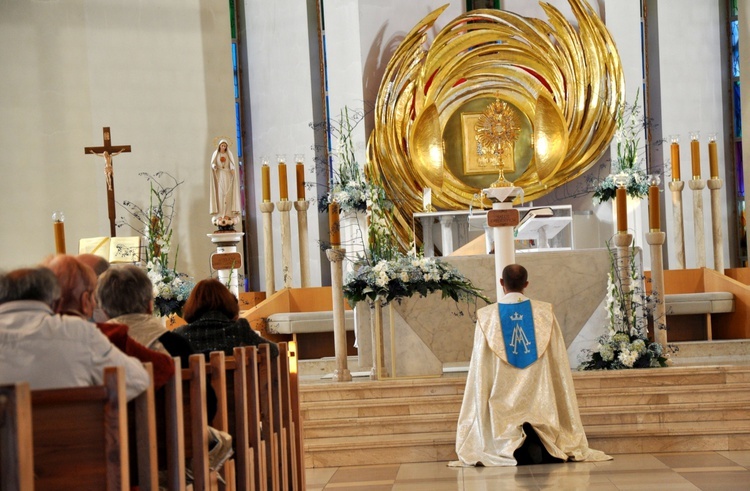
x: 669, y: 376
x: 658, y: 413
x: 383, y: 425
x: 371, y: 407
x: 716, y: 415
x: 386, y: 388
x: 632, y: 396
x: 380, y: 449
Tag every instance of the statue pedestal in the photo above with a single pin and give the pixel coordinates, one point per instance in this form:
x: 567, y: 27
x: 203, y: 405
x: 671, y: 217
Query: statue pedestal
x: 226, y: 245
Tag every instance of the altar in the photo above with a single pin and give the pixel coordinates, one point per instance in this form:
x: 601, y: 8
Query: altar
x: 425, y: 336
x: 450, y: 230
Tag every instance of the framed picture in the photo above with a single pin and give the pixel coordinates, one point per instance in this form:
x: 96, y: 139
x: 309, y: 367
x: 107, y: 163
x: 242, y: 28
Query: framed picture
x: 482, y: 4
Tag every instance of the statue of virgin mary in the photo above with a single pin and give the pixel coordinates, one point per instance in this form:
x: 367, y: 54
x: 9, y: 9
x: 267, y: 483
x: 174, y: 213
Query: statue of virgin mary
x: 225, y: 206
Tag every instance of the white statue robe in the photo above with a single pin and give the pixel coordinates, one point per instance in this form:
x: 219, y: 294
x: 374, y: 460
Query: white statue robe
x: 499, y: 397
x: 225, y: 185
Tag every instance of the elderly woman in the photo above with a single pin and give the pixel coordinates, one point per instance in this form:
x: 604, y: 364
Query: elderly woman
x: 212, y: 313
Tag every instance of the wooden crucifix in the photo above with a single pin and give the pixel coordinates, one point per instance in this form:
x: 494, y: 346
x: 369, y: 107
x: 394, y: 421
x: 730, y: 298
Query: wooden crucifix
x: 108, y: 151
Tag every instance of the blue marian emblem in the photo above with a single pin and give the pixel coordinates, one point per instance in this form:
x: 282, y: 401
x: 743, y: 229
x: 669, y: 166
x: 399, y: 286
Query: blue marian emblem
x: 517, y: 324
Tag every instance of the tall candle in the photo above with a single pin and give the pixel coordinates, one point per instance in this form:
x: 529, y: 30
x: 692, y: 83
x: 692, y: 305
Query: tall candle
x: 654, y: 217
x: 300, y: 167
x: 675, y: 161
x: 622, y: 210
x: 58, y: 225
x: 265, y: 173
x: 334, y: 226
x: 695, y: 155
x: 713, y: 158
x: 283, y: 191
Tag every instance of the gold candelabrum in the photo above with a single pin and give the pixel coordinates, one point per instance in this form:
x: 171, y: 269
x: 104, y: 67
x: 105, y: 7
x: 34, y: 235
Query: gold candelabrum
x: 497, y: 131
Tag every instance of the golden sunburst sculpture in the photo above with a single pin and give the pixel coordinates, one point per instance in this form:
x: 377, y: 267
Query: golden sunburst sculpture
x: 496, y: 132
x: 563, y: 83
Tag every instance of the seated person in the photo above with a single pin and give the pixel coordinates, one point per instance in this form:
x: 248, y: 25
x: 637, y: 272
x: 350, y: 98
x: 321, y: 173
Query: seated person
x: 99, y: 265
x: 519, y: 390
x: 125, y: 294
x: 212, y: 313
x: 54, y: 351
x: 78, y: 282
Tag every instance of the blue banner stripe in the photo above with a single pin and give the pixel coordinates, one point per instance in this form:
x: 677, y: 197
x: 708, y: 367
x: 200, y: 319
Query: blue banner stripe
x: 517, y: 324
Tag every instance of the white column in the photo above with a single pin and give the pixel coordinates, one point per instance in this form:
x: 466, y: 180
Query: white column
x: 718, y: 238
x: 656, y: 241
x: 304, y: 254
x: 285, y: 207
x: 266, y: 208
x: 336, y: 256
x: 679, y: 233
x: 446, y: 231
x: 697, y: 186
x: 427, y: 242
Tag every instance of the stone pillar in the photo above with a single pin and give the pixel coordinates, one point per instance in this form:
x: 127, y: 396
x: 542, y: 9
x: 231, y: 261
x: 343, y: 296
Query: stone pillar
x: 427, y: 243
x: 718, y: 238
x: 679, y: 233
x: 266, y: 208
x: 697, y: 186
x: 304, y: 254
x: 336, y: 257
x: 622, y: 242
x: 285, y: 206
x: 505, y: 248
x: 656, y: 241
x: 226, y: 244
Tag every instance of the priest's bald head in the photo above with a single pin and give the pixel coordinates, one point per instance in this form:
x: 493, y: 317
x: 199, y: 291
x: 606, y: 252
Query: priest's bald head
x: 515, y: 279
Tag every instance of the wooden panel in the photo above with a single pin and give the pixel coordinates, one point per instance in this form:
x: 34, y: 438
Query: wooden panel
x: 16, y: 446
x: 735, y: 325
x: 79, y: 436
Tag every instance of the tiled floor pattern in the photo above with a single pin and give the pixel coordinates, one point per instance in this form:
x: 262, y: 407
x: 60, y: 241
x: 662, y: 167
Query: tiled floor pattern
x: 706, y: 471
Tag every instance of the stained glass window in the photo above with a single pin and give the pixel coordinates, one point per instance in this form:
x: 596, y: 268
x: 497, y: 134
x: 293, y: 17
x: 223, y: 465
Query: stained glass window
x: 737, y: 109
x: 734, y: 32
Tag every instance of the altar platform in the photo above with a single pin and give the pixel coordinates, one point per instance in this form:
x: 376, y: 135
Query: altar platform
x: 701, y: 403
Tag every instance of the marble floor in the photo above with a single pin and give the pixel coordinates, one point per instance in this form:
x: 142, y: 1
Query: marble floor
x: 707, y: 471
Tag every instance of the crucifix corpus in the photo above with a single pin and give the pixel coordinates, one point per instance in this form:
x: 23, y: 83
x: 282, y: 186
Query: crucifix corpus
x: 108, y: 151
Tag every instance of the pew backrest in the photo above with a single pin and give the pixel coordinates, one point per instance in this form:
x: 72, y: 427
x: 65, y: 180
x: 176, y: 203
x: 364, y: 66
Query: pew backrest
x: 80, y: 436
x: 16, y: 447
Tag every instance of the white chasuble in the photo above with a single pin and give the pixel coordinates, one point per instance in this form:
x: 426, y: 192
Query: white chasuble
x: 499, y: 397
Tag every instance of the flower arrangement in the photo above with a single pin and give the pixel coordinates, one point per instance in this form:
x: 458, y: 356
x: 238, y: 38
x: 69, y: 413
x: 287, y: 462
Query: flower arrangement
x: 404, y: 275
x: 630, y: 127
x: 171, y: 288
x: 348, y: 185
x: 626, y: 343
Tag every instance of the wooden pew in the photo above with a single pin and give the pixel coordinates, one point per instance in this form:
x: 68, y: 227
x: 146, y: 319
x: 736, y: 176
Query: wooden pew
x: 16, y: 447
x: 80, y: 436
x: 174, y: 422
x: 144, y: 431
x: 251, y: 468
x: 220, y: 376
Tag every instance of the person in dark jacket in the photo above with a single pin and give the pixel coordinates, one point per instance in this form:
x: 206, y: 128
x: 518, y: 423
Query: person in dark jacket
x: 213, y: 322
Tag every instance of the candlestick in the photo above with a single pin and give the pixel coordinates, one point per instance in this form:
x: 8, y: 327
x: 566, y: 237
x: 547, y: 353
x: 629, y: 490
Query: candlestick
x: 283, y: 187
x: 675, y: 148
x: 713, y: 159
x: 654, y: 215
x: 265, y: 172
x: 695, y: 154
x: 622, y: 213
x: 58, y: 223
x: 300, y: 168
x: 334, y: 226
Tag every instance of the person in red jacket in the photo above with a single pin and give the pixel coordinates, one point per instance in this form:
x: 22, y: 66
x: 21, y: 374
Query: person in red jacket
x: 78, y: 282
